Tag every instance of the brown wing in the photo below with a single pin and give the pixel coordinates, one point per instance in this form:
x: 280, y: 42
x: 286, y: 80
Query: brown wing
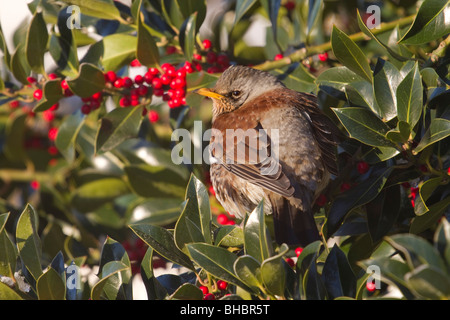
x: 324, y: 130
x: 247, y: 154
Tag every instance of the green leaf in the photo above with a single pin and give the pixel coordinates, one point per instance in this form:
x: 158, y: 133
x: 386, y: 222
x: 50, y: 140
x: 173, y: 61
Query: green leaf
x: 117, y: 126
x: 52, y: 93
x: 15, y: 136
x: 367, y: 32
x: 428, y: 220
x: 8, y: 254
x: 229, y: 236
x: 36, y: 43
x: 430, y: 283
x: 410, y: 97
x: 187, y: 36
x: 313, y: 284
x: 273, y: 274
x: 90, y: 80
x: 360, y: 94
x: 337, y: 275
x: 119, y: 50
x: 92, y: 195
x: 3, y: 218
x: 364, y: 126
x: 431, y: 23
x: 19, y: 64
x: 416, y: 250
x: 439, y: 129
x: 188, y: 7
x: 67, y: 135
x: 50, y: 286
x: 113, y: 251
x: 197, y: 80
x: 401, y: 134
x: 28, y: 242
x: 334, y: 81
x: 155, y: 181
x: 194, y: 224
x: 114, y: 284
x: 386, y: 79
x: 147, y: 52
x: 349, y: 54
x: 426, y: 189
x: 4, y: 48
x: 155, y: 291
x: 217, y: 261
x: 6, y: 293
x: 159, y: 211
x: 242, y: 6
x: 102, y: 9
x: 248, y: 269
x: 187, y: 291
x: 298, y: 79
x: 355, y: 197
x: 255, y: 235
x: 161, y: 240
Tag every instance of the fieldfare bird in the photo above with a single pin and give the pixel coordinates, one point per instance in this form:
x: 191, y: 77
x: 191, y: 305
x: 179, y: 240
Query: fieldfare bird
x: 291, y: 161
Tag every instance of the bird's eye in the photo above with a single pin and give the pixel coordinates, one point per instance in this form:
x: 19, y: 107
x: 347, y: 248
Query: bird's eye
x: 236, y: 93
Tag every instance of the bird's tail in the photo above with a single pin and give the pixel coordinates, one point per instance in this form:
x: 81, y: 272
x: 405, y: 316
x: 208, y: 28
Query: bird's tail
x: 293, y: 226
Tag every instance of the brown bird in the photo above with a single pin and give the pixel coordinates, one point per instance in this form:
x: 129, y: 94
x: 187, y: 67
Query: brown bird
x: 291, y: 162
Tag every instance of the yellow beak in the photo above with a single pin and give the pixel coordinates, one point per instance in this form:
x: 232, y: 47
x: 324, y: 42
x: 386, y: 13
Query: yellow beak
x: 209, y: 93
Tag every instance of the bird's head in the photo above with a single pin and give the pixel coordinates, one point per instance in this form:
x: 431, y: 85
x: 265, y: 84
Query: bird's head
x: 238, y: 85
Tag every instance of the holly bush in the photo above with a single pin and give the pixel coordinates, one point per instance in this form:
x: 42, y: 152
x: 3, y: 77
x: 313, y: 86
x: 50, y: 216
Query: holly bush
x: 91, y: 95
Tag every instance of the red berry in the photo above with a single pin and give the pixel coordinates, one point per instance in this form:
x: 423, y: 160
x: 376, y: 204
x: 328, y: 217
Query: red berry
x: 211, y: 57
x: 321, y: 200
x: 362, y: 167
x: 52, y: 150
x: 135, y: 102
x: 37, y: 94
x: 177, y: 83
x: 153, y: 71
x: 323, y: 56
x: 197, y: 56
x: 188, y: 67
x: 48, y: 115
x: 171, y: 49
x: 278, y: 57
x: 64, y: 85
x: 31, y: 80
x: 166, y: 79
x: 85, y: 109
x: 157, y: 83
x: 180, y: 73
x: 204, y: 289
x: 135, y: 63
x: 230, y: 223
x: 448, y: 170
x: 222, y: 218
x: 166, y: 97
x: 370, y: 286
x: 52, y: 76
x: 298, y: 251
x: 153, y: 116
x: 119, y: 83
x: 209, y: 296
x: 345, y: 186
x: 158, y: 92
x: 35, y: 184
x: 127, y: 82
x: 207, y: 44
x: 211, y: 190
x: 213, y: 70
x: 290, y: 5
x: 176, y: 102
x: 52, y: 133
x: 124, y: 102
x: 222, y: 285
x: 178, y: 93
x: 110, y: 76
x: 290, y: 262
x: 97, y: 96
x: 139, y: 79
x: 223, y: 60
x: 142, y: 90
x: 14, y: 104
x: 148, y: 77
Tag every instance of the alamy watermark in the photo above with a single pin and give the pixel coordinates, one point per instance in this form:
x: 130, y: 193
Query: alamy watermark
x: 74, y: 20
x: 374, y: 278
x: 373, y: 17
x: 234, y: 146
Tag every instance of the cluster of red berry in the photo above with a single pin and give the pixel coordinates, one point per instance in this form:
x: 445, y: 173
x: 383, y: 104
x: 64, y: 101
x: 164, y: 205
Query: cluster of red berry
x: 291, y: 262
x: 220, y: 290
